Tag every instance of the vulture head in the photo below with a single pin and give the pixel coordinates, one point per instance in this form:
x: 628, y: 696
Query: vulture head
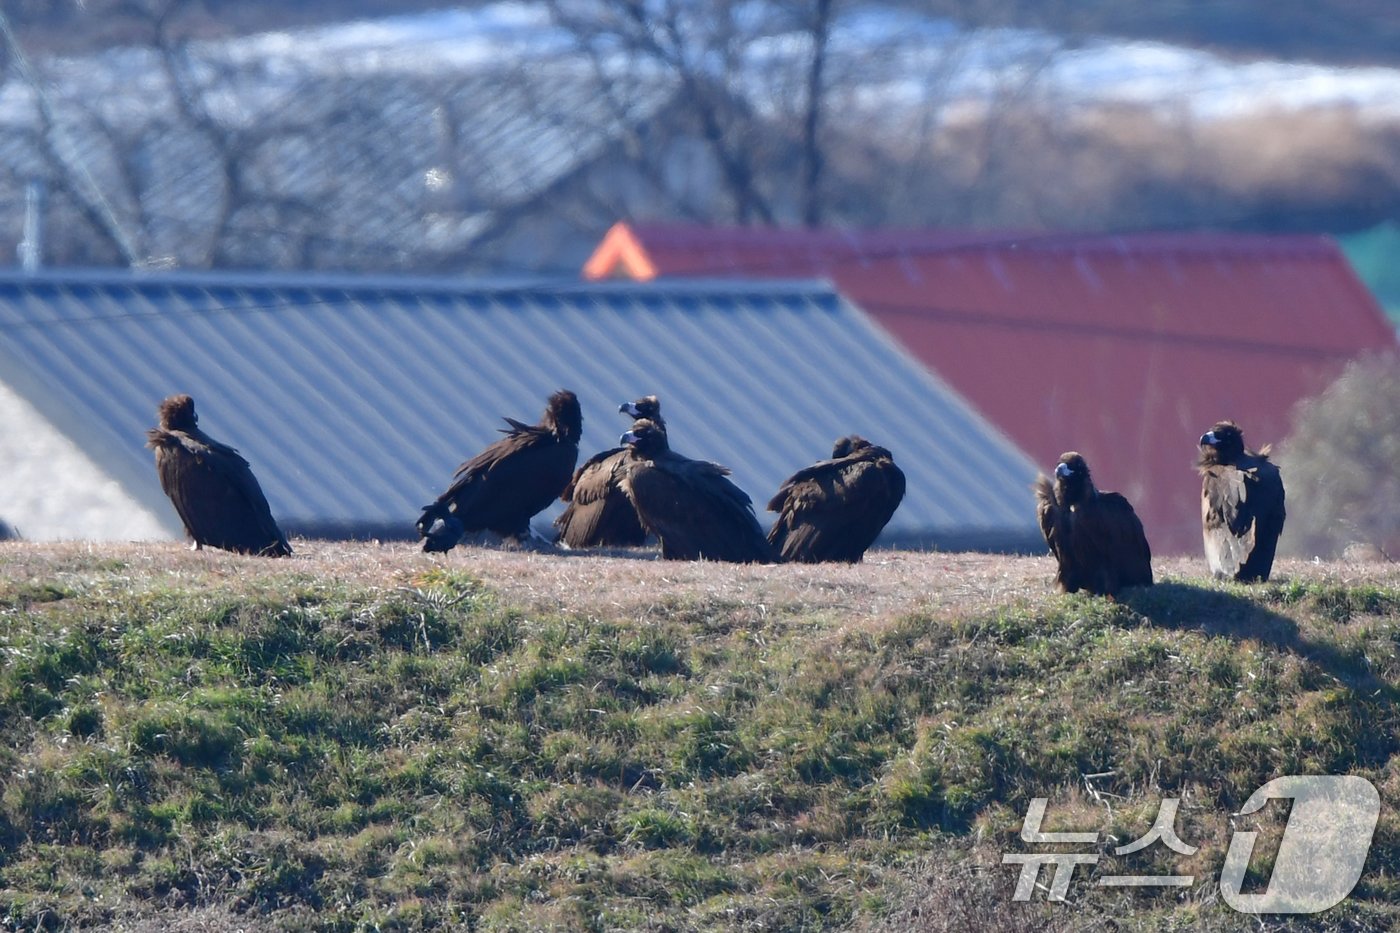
x: 1224, y: 443
x: 647, y: 438
x: 177, y: 414
x: 648, y: 406
x: 563, y: 416
x: 848, y: 445
x: 1072, y: 482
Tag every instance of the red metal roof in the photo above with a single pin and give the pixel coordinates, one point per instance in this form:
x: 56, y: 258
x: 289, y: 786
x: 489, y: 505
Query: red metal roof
x: 1124, y: 347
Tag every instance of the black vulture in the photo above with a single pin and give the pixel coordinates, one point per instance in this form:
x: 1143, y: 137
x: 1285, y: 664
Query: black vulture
x: 834, y: 509
x: 508, y: 483
x: 1095, y: 536
x: 599, y: 513
x: 1242, y: 509
x: 212, y: 488
x: 690, y: 505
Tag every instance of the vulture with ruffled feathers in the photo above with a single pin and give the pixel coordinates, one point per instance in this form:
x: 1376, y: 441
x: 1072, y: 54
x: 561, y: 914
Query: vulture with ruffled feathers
x: 690, y: 505
x: 1096, y: 537
x: 599, y: 514
x: 211, y: 486
x: 512, y: 480
x: 1242, y: 508
x: 835, y: 509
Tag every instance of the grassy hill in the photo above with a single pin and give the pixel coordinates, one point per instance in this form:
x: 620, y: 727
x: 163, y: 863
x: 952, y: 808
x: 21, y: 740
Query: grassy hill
x: 367, y: 738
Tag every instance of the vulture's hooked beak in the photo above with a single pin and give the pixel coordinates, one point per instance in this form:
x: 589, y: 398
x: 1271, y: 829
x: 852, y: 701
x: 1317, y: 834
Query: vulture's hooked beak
x: 629, y: 438
x: 627, y: 408
x: 1208, y: 439
x: 1064, y: 471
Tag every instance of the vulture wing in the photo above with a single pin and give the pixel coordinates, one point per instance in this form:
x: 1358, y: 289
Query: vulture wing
x: 1110, y: 545
x: 599, y: 513
x: 1242, y: 515
x: 502, y: 487
x: 1054, y: 525
x: 215, y: 494
x: 1227, y: 520
x: 695, y: 510
x: 834, y: 509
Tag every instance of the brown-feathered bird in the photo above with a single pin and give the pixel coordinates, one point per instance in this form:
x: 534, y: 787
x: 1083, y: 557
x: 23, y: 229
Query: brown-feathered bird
x: 834, y: 509
x: 599, y: 514
x: 508, y: 483
x: 211, y: 486
x: 1242, y: 509
x: 1095, y: 536
x: 690, y: 505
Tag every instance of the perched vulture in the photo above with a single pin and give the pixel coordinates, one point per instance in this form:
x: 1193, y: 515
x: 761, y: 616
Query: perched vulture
x: 834, y: 509
x: 504, y: 486
x: 1241, y: 505
x: 599, y: 513
x: 690, y: 505
x: 1095, y: 536
x: 213, y: 490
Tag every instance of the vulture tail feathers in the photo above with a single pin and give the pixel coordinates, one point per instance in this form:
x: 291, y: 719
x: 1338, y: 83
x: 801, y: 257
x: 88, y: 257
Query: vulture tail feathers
x: 516, y: 427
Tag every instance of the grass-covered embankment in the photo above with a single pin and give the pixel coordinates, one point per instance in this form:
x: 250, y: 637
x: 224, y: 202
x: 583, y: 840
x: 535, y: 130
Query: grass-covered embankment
x: 368, y: 738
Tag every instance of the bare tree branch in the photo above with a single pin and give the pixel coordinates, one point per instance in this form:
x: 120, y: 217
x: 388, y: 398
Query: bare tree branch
x: 812, y: 157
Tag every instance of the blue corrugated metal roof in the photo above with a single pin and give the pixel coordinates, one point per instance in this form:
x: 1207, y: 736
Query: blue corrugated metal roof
x: 355, y: 398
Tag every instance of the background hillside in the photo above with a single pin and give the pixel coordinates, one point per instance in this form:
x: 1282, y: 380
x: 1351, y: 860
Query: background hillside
x: 1350, y: 32
x: 363, y: 737
x: 505, y: 138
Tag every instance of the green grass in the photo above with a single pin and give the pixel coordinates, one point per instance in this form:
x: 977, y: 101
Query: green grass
x: 330, y: 754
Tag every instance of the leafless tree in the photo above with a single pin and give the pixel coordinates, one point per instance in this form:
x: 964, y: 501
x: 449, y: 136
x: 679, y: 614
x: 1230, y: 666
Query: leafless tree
x: 811, y: 111
x: 703, y: 50
x: 1341, y: 466
x: 175, y: 149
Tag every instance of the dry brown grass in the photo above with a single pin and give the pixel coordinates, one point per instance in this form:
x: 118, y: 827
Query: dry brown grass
x: 887, y: 585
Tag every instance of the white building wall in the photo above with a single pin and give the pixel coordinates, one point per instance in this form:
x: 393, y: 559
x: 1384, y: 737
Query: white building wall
x: 51, y: 490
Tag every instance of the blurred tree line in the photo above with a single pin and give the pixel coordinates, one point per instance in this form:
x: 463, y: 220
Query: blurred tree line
x: 1352, y: 32
x: 1341, y: 467
x: 200, y: 153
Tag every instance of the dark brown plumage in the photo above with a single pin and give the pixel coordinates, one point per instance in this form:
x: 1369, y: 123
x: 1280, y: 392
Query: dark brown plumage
x: 599, y: 514
x: 690, y: 505
x: 212, y: 488
x: 1095, y: 536
x: 1242, y: 507
x: 834, y: 509
x: 508, y: 483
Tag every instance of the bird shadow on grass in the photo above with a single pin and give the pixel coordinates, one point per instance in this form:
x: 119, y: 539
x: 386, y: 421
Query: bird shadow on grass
x: 1215, y: 612
x: 538, y: 544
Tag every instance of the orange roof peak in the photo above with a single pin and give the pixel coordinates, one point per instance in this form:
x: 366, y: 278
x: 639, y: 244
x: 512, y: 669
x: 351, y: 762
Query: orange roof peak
x: 620, y: 255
